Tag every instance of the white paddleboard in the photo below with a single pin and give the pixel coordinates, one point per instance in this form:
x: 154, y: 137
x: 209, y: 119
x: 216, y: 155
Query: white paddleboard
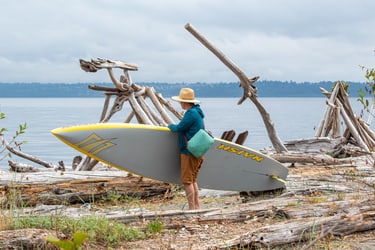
x: 153, y: 152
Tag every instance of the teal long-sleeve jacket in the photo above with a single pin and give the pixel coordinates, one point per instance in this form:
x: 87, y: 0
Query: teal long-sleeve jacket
x: 191, y: 123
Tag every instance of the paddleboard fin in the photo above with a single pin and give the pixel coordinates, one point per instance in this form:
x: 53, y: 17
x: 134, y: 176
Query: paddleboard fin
x: 278, y: 178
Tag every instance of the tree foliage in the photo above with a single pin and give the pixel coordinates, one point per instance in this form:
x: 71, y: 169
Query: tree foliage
x: 368, y: 92
x: 2, y: 130
x: 13, y: 142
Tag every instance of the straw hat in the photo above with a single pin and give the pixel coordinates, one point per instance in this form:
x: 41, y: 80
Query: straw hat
x: 186, y: 95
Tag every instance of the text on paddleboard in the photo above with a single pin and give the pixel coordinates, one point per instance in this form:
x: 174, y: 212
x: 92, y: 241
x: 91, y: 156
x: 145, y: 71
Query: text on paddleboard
x: 239, y: 151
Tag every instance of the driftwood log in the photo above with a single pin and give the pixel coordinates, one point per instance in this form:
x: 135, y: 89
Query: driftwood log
x: 60, y: 189
x: 26, y: 156
x: 249, y: 90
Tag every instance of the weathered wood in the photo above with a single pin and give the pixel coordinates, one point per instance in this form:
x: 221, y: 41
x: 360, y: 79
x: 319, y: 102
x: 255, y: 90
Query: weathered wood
x: 168, y: 105
x: 105, y: 107
x: 242, y: 137
x: 139, y: 112
x: 130, y: 117
x: 352, y: 127
x: 126, y: 90
x: 246, y: 83
x: 344, y: 98
x: 154, y: 119
x: 151, y: 93
x: 102, y: 88
x: 84, y: 191
x: 228, y: 135
x: 365, y: 135
x: 272, y: 134
x: 323, y: 130
x: 301, y: 230
x: 300, y: 158
x: 26, y: 156
x: 336, y: 127
x: 21, y: 167
x: 248, y: 88
x: 356, y: 131
x: 95, y: 65
x: 318, y: 145
x: 139, y: 91
x: 367, y: 128
x: 87, y: 164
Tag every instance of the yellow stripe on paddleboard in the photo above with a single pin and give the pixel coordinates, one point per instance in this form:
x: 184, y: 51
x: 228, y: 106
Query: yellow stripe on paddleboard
x: 97, y: 126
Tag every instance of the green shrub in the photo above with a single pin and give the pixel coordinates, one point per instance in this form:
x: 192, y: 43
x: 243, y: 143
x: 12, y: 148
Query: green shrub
x: 98, y: 229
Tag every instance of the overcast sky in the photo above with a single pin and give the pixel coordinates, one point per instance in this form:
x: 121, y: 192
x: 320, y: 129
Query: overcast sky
x: 290, y: 40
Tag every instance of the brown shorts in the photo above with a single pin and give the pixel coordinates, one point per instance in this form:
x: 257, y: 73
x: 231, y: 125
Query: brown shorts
x: 189, y: 168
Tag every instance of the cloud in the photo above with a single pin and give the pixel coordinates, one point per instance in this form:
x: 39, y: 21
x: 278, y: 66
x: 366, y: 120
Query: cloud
x: 42, y: 41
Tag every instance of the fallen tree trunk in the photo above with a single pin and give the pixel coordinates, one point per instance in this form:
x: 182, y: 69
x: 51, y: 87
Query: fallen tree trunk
x: 302, y: 230
x: 315, y: 159
x: 83, y: 191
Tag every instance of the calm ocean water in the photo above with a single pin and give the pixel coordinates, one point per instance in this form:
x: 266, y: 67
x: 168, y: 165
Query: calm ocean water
x: 294, y: 118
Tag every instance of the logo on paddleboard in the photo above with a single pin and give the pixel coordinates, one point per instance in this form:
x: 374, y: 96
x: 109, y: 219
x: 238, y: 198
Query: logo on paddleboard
x: 94, y: 144
x: 240, y: 152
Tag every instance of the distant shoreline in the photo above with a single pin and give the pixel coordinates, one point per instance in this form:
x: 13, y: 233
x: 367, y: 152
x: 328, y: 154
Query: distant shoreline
x: 217, y: 90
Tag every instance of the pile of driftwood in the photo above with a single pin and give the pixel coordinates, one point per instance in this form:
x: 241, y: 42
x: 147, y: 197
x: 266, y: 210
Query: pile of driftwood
x: 340, y: 136
x: 127, y: 91
x: 357, y: 131
x: 147, y: 105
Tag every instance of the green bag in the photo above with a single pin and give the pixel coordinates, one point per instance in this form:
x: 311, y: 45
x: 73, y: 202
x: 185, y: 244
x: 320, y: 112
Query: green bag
x: 200, y: 143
